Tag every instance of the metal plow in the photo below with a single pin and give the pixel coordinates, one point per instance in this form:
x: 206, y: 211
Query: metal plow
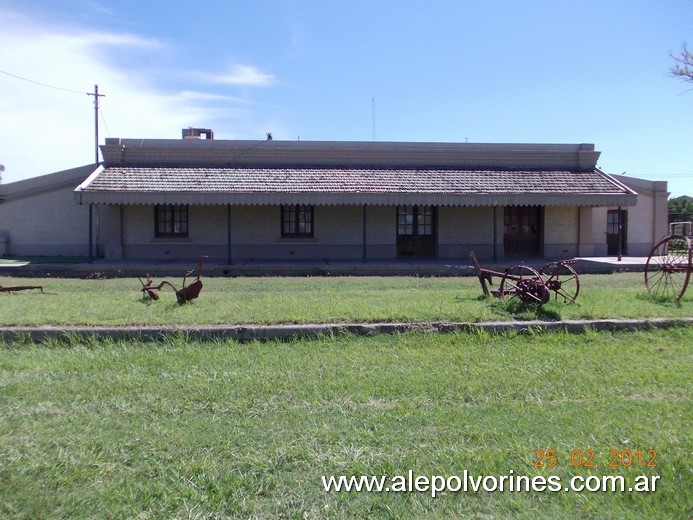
x: 184, y: 294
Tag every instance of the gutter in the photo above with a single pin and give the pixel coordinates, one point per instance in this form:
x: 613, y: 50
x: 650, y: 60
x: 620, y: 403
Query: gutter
x: 87, y: 182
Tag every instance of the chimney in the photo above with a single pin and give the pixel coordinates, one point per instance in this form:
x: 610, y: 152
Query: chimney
x: 197, y: 133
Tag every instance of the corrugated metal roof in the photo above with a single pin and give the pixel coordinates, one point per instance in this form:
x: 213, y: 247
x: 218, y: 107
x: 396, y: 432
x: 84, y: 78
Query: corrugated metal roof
x: 152, y: 185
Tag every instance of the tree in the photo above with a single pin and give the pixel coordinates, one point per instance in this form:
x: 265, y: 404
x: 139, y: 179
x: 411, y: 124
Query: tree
x: 681, y: 209
x: 683, y: 66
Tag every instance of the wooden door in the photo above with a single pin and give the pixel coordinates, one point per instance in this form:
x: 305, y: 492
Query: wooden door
x: 416, y: 231
x: 522, y: 230
x: 616, y: 219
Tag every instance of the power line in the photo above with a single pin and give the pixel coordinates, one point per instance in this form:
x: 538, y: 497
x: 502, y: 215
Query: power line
x: 668, y: 175
x: 96, y: 105
x: 103, y: 119
x: 44, y: 84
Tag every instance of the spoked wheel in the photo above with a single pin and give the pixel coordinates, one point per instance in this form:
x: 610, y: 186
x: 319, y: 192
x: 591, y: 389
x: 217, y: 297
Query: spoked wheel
x: 525, y: 283
x: 562, y: 279
x: 668, y: 268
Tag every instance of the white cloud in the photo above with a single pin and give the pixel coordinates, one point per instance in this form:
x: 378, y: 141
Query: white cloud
x: 191, y: 95
x: 92, y: 39
x: 49, y: 129
x: 241, y: 75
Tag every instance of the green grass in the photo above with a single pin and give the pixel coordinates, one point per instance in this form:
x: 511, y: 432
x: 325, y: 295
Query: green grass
x: 319, y: 300
x: 201, y: 430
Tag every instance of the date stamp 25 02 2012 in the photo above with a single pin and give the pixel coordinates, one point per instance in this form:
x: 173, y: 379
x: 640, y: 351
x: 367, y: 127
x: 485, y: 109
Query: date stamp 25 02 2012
x: 624, y: 458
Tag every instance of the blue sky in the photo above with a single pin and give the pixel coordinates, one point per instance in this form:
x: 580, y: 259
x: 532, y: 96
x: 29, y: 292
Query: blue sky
x: 495, y: 71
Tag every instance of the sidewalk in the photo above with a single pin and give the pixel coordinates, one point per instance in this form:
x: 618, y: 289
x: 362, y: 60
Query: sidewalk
x: 434, y: 267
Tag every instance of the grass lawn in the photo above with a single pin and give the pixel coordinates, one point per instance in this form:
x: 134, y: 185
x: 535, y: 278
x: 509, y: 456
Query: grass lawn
x: 180, y: 429
x: 319, y: 300
x: 201, y: 430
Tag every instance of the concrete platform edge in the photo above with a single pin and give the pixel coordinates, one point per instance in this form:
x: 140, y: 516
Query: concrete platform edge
x: 245, y: 333
x: 438, y: 267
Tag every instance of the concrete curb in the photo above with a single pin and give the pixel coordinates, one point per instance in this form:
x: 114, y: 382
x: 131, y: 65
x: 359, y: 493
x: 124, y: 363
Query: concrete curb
x: 244, y: 333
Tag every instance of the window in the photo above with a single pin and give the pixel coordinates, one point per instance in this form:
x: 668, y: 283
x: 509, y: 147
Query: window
x: 424, y: 220
x: 522, y: 234
x: 416, y: 231
x: 415, y: 220
x: 297, y: 221
x: 522, y: 220
x: 171, y: 220
x: 613, y: 222
x: 405, y: 220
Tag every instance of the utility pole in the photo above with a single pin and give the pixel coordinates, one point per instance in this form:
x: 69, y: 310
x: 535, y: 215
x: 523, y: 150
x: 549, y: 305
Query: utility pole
x: 96, y: 161
x: 96, y: 121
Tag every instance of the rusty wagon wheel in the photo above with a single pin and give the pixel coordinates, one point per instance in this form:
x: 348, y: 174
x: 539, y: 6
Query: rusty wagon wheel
x: 668, y: 268
x: 524, y: 283
x: 562, y: 279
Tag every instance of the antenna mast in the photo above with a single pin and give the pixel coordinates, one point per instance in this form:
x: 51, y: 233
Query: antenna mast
x: 373, y: 115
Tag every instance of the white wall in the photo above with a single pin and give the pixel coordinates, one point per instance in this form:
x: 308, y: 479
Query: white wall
x: 465, y: 229
x: 39, y: 216
x: 647, y: 220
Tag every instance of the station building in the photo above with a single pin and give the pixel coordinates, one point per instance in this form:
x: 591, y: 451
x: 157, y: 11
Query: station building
x: 269, y: 200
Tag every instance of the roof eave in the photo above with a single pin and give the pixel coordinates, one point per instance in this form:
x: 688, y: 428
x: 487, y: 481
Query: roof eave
x: 84, y: 196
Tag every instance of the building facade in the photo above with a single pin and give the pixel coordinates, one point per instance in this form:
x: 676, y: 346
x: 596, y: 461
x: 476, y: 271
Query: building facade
x: 241, y: 201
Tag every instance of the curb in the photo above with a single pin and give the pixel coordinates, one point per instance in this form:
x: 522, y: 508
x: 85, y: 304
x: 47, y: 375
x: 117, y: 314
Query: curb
x: 244, y: 333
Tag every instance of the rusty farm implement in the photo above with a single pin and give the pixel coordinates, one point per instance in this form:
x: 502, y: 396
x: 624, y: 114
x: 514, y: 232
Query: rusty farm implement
x: 17, y: 288
x: 668, y: 268
x: 529, y: 285
x: 184, y: 294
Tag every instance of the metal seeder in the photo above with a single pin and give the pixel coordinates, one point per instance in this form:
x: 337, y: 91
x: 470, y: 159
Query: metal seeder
x: 530, y: 285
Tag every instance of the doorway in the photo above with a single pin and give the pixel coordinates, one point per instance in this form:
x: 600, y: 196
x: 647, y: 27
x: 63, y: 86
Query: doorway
x: 416, y: 231
x: 522, y: 230
x: 615, y: 219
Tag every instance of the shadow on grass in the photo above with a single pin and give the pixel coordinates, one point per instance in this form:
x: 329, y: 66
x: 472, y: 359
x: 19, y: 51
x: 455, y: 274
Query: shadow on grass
x: 515, y: 307
x: 479, y: 298
x: 169, y: 302
x: 667, y: 301
x: 525, y: 311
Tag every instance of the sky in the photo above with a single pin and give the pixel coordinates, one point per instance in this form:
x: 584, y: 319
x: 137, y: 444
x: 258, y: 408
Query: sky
x: 554, y: 71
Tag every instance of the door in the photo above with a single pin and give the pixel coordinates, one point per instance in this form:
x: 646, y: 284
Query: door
x: 616, y: 219
x: 416, y: 231
x: 522, y: 230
